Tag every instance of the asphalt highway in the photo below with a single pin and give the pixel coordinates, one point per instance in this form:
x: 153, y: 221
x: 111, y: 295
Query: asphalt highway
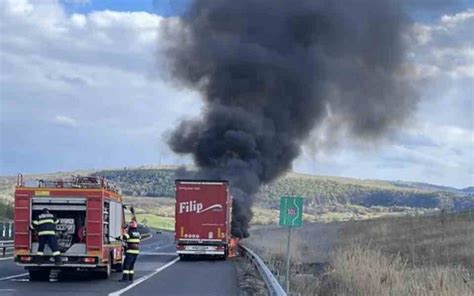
x: 158, y: 271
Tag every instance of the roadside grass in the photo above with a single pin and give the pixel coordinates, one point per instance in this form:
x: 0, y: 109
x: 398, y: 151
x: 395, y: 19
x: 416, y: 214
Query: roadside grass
x: 426, y: 255
x: 359, y: 270
x: 154, y: 221
x: 159, y: 206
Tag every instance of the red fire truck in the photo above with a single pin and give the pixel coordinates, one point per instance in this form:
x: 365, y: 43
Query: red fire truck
x: 90, y: 213
x: 203, y: 218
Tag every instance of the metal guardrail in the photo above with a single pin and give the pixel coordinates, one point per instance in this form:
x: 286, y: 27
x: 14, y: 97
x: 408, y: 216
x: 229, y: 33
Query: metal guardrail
x: 4, y: 246
x: 271, y: 282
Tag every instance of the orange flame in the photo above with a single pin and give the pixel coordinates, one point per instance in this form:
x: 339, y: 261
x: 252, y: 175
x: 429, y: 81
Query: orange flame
x: 234, y: 247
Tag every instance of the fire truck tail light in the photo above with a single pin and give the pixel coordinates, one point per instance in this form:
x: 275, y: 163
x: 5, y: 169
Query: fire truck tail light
x: 88, y: 260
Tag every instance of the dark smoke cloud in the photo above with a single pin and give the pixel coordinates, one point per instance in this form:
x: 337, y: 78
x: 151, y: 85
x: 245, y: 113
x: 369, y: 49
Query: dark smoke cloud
x: 270, y: 71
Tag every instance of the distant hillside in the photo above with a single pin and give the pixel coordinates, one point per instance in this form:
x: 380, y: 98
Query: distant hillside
x: 468, y: 190
x: 431, y: 187
x: 349, y: 197
x: 143, y: 182
x: 319, y: 191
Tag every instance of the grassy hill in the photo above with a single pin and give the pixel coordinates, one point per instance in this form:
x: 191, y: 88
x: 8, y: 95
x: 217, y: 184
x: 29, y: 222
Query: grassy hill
x: 326, y: 198
x: 331, y: 197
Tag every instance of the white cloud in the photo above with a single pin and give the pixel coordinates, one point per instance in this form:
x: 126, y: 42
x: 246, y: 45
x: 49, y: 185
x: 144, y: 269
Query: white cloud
x: 447, y: 44
x: 77, y: 2
x: 65, y: 121
x: 100, y: 73
x: 97, y: 71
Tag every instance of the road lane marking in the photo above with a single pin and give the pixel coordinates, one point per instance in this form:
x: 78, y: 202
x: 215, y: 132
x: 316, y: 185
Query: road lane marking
x: 13, y: 276
x: 147, y: 238
x: 142, y: 279
x: 164, y: 246
x: 159, y: 253
x: 7, y: 258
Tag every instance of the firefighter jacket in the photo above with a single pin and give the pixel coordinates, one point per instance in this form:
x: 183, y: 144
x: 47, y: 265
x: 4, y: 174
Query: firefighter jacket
x: 132, y: 239
x: 45, y: 224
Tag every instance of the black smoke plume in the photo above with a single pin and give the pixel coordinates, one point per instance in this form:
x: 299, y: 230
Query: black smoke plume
x: 270, y: 71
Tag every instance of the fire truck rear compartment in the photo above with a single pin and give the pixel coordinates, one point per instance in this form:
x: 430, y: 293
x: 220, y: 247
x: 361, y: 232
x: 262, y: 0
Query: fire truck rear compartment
x: 71, y: 213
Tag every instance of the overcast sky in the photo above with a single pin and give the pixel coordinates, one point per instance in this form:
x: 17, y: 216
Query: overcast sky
x: 83, y: 85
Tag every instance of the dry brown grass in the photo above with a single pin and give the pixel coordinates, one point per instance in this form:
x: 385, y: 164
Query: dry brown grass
x: 389, y: 256
x: 358, y: 270
x: 445, y: 239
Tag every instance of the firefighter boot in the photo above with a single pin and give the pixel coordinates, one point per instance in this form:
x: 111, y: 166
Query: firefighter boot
x: 57, y: 260
x: 130, y: 277
x: 124, y: 278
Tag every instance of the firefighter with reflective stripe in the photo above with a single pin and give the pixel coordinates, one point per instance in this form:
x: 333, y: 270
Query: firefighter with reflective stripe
x: 45, y: 226
x: 132, y: 239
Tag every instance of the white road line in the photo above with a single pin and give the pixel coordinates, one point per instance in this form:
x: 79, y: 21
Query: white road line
x: 13, y: 276
x: 142, y: 279
x: 6, y: 258
x: 164, y: 246
x: 159, y: 253
x: 147, y: 238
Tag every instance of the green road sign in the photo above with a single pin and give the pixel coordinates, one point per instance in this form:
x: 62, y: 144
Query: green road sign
x: 291, y: 211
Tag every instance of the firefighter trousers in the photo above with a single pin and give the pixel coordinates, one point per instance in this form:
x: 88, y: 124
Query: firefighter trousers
x: 49, y: 240
x: 129, y: 264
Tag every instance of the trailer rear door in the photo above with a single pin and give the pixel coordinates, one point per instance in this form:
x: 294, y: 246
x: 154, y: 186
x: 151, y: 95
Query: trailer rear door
x: 201, y: 210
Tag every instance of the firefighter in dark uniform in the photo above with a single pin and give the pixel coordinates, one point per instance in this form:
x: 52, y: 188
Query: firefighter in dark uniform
x: 45, y: 226
x: 132, y: 239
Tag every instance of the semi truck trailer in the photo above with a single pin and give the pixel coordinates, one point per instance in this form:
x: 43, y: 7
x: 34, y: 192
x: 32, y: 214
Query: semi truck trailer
x: 90, y: 216
x: 203, y: 218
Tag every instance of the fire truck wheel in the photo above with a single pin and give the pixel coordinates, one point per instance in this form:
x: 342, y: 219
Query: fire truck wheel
x: 107, y: 270
x: 39, y: 275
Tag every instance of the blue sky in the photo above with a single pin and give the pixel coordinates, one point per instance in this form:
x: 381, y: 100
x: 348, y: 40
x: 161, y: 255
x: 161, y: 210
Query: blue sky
x: 417, y: 8
x: 160, y: 7
x: 84, y: 86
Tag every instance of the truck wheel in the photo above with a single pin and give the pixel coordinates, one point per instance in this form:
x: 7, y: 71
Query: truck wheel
x: 226, y: 253
x: 107, y: 270
x: 39, y: 275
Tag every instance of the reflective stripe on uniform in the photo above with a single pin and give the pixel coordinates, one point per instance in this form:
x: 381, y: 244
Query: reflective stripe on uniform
x: 129, y: 251
x: 40, y: 253
x: 133, y: 240
x: 46, y: 221
x: 47, y: 232
x: 126, y: 271
x: 35, y: 222
x: 56, y: 253
x: 126, y: 235
x: 131, y: 272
